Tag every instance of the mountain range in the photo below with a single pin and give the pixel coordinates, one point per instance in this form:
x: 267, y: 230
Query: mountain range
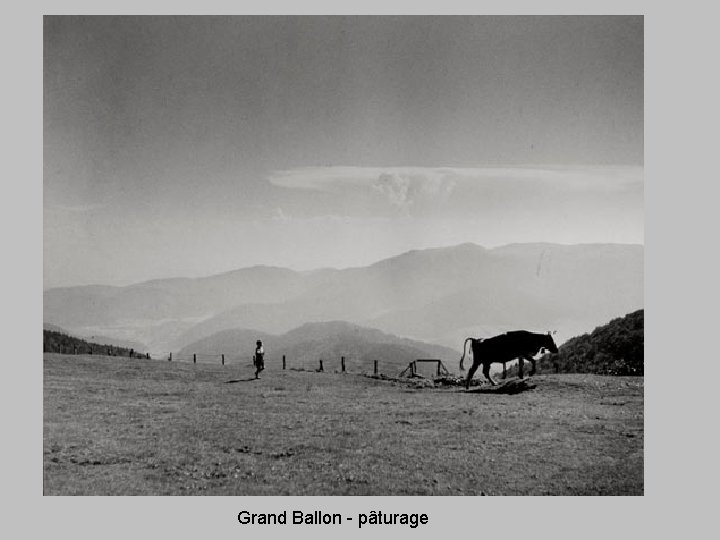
x: 438, y: 296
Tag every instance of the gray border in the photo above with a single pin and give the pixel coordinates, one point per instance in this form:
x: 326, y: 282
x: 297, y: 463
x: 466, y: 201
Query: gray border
x: 677, y: 59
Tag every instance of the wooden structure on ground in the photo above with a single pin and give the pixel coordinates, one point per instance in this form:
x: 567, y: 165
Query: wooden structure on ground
x: 411, y: 370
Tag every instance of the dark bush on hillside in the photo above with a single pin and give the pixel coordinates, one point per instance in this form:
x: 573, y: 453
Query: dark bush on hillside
x: 616, y: 348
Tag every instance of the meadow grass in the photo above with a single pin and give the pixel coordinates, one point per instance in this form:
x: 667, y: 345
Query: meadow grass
x: 117, y: 426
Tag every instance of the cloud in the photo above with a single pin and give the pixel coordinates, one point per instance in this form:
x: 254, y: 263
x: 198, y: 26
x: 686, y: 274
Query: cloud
x: 421, y: 190
x: 395, y: 187
x: 405, y: 191
x: 280, y: 216
x: 401, y: 187
x: 331, y: 178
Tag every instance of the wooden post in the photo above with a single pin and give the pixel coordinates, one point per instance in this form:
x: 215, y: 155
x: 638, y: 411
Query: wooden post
x: 375, y: 367
x: 413, y: 368
x: 223, y: 359
x: 170, y: 358
x: 321, y: 366
x: 194, y: 358
x: 438, y: 369
x: 147, y: 356
x: 283, y: 361
x: 342, y: 364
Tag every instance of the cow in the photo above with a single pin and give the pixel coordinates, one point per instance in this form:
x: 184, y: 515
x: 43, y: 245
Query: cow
x: 503, y: 348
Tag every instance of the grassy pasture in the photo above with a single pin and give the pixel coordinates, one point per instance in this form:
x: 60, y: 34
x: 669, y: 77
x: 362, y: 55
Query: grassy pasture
x: 116, y: 426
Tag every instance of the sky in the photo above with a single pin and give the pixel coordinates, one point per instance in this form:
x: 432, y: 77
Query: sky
x: 189, y: 146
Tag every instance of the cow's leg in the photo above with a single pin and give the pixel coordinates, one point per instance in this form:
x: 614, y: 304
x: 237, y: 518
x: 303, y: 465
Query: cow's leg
x: 532, y: 363
x: 470, y: 374
x: 486, y: 372
x: 504, y: 370
x: 520, y: 367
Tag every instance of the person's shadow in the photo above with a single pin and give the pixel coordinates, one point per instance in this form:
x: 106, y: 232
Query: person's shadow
x: 241, y: 380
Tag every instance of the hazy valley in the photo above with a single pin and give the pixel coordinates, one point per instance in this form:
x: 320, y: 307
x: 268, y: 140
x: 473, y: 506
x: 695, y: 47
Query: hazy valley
x: 437, y: 296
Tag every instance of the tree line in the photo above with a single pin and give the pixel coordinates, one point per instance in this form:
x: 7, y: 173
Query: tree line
x: 616, y: 348
x: 57, y: 342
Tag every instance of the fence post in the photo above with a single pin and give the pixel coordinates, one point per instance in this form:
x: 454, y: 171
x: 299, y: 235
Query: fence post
x: 321, y: 366
x: 222, y: 357
x: 170, y: 358
x: 147, y: 356
x: 342, y: 363
x: 283, y: 361
x: 438, y: 369
x: 194, y: 358
x: 375, y: 367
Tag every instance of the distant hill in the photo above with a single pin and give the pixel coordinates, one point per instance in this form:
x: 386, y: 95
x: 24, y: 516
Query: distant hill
x: 175, y: 298
x: 328, y: 341
x: 58, y: 342
x: 616, y: 348
x: 105, y: 340
x: 55, y: 328
x: 435, y: 295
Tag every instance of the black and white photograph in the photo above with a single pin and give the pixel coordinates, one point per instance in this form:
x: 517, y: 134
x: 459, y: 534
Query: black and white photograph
x: 343, y: 255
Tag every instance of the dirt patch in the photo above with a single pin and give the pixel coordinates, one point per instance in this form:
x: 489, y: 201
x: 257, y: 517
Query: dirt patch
x: 511, y: 387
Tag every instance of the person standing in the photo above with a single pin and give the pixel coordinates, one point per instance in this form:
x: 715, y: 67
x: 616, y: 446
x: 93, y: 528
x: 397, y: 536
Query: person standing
x: 259, y: 358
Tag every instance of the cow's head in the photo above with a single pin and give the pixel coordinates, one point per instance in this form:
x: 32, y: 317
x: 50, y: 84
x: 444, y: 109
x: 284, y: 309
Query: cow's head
x: 549, y: 344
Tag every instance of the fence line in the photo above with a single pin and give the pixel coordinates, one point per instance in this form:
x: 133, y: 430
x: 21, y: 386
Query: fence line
x: 205, y: 358
x: 240, y: 359
x: 343, y: 362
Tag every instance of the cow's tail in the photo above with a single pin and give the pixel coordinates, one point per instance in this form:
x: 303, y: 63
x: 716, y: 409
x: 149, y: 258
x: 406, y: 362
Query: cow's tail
x: 462, y: 358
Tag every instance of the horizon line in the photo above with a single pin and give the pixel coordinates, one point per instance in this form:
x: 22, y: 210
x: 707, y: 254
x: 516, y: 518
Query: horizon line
x: 339, y: 269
